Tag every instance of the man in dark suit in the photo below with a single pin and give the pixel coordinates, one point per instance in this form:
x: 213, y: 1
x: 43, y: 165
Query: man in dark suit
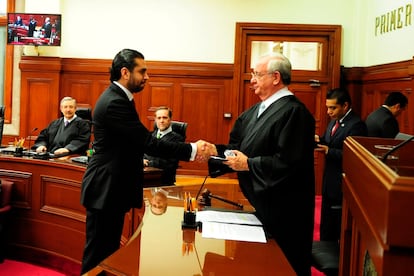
x: 32, y: 26
x: 113, y: 181
x: 273, y: 144
x: 383, y: 121
x: 344, y: 123
x: 66, y: 135
x: 164, y: 132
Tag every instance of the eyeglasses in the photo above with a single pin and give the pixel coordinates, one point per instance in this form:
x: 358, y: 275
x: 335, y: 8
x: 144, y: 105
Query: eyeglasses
x: 259, y: 75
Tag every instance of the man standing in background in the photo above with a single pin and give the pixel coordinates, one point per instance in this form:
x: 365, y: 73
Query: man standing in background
x: 344, y: 123
x: 383, y: 121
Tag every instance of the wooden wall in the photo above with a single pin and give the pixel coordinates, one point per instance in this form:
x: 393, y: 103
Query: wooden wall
x: 199, y: 93
x: 370, y: 86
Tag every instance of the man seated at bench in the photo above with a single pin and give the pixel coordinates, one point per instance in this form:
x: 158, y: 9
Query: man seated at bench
x: 164, y: 131
x: 66, y: 135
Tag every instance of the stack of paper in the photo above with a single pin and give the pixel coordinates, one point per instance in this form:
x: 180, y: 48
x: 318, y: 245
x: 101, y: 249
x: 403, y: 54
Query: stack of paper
x: 231, y: 226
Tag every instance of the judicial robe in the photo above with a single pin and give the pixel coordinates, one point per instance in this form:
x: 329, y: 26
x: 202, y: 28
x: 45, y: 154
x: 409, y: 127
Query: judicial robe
x: 75, y: 137
x: 280, y: 183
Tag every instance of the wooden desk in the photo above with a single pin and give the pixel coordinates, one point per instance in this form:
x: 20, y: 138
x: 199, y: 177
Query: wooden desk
x: 377, y: 212
x: 157, y: 246
x: 47, y: 218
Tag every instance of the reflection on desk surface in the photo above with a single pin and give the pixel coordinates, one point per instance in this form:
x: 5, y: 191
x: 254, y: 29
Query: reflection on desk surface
x: 166, y: 249
x: 160, y: 246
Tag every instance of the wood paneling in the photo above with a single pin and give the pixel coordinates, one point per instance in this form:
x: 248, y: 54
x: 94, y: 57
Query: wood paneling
x: 369, y: 87
x: 198, y: 93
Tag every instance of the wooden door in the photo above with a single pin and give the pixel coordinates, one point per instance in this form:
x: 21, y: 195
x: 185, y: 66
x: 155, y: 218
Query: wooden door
x: 310, y: 81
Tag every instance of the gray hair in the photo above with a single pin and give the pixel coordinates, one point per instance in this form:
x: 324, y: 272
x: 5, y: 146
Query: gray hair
x: 280, y: 63
x: 65, y: 99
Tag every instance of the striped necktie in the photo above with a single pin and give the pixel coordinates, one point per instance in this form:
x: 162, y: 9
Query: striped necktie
x: 335, y: 128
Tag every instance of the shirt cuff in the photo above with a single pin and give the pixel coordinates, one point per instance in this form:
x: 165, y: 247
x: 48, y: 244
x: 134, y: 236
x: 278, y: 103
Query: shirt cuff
x: 193, y: 151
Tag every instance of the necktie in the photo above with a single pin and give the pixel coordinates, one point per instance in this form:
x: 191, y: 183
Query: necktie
x: 66, y: 123
x: 335, y: 127
x: 261, y: 109
x: 158, y: 135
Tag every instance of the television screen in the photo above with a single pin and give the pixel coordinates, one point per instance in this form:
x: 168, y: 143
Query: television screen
x: 34, y: 29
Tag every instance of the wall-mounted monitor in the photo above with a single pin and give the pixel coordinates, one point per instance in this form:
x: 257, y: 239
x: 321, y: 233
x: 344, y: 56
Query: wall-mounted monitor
x: 38, y: 29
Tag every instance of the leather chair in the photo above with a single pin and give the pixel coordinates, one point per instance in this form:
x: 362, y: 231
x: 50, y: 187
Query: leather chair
x: 2, y: 110
x: 84, y: 111
x: 179, y: 127
x: 5, y: 207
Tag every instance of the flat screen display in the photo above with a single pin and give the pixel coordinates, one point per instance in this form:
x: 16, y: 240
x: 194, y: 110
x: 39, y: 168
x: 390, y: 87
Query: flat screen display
x: 38, y: 29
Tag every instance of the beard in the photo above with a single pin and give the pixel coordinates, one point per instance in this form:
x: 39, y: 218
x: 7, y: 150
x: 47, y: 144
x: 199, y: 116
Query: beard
x: 135, y: 88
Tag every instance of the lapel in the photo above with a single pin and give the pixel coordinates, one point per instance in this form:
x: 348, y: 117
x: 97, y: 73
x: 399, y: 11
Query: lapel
x: 342, y: 129
x: 255, y: 124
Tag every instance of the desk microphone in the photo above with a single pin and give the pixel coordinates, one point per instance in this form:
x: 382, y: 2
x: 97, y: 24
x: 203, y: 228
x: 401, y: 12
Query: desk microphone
x: 201, y: 187
x: 400, y: 145
x: 30, y: 138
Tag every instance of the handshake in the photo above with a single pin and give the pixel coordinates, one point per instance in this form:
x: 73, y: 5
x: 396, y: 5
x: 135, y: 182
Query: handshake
x: 205, y: 150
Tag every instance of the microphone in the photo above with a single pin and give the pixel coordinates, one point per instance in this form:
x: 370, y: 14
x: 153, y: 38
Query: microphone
x: 201, y: 187
x: 395, y: 148
x: 30, y: 138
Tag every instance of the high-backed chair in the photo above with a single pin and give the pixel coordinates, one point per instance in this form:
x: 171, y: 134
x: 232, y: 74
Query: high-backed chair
x: 84, y: 111
x: 5, y: 207
x: 179, y: 127
x: 2, y: 109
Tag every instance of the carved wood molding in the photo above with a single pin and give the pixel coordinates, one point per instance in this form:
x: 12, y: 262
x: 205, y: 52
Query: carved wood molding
x: 155, y: 68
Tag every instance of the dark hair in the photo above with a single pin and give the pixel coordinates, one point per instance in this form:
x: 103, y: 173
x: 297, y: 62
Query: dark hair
x: 125, y: 58
x: 165, y: 108
x: 341, y: 95
x: 396, y: 98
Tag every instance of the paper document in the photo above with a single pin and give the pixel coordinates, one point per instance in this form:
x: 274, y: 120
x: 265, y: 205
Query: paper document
x: 236, y: 232
x: 228, y: 217
x: 231, y: 226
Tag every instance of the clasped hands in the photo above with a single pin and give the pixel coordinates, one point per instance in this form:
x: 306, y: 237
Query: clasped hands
x: 205, y: 150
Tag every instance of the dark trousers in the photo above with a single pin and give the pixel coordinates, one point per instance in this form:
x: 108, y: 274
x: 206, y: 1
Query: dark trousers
x: 331, y: 216
x: 2, y: 244
x: 103, y: 235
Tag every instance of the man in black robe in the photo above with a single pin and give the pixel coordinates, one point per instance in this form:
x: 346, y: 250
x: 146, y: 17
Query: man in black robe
x: 68, y: 134
x: 274, y: 158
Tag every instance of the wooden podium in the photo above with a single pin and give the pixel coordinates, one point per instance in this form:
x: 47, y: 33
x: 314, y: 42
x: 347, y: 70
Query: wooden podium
x: 378, y: 209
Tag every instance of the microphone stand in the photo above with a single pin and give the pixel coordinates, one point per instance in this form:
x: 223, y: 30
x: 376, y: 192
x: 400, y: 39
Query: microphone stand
x: 400, y: 145
x: 29, y: 153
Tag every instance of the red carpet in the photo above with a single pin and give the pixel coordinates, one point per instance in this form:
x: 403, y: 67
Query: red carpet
x: 318, y: 200
x: 15, y: 268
